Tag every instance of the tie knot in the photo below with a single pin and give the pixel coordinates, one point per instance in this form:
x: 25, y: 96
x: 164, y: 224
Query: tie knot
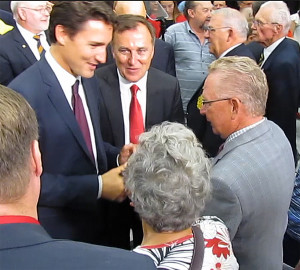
x: 134, y: 88
x: 36, y: 37
x: 75, y: 87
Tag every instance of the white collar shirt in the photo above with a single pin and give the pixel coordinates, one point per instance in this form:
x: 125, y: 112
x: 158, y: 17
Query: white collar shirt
x: 267, y: 51
x: 126, y: 99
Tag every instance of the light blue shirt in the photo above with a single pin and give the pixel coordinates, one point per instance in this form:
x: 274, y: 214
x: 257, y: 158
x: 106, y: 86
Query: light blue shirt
x: 191, y: 58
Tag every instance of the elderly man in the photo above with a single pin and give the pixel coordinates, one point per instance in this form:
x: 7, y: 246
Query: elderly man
x: 132, y: 81
x: 24, y: 242
x: 253, y: 174
x: 192, y: 55
x: 227, y: 32
x: 281, y: 63
x: 23, y: 46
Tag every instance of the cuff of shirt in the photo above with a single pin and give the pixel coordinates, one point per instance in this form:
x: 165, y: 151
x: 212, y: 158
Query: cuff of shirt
x: 117, y: 161
x: 100, y: 186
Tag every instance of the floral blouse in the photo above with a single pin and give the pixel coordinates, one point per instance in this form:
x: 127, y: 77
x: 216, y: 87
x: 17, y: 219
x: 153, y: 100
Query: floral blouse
x: 177, y: 255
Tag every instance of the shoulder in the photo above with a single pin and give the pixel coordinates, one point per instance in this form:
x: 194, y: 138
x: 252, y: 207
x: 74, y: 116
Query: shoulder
x: 162, y: 77
x: 106, y: 71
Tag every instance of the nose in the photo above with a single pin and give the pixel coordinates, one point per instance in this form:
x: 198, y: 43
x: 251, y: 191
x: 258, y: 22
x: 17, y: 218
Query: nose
x: 203, y: 110
x: 206, y: 33
x: 101, y: 55
x: 132, y: 58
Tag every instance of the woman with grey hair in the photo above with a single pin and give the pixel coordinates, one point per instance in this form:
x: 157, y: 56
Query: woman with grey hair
x: 167, y: 180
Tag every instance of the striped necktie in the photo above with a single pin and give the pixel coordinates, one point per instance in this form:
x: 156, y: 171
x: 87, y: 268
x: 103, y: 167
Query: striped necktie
x: 261, y: 59
x: 39, y: 45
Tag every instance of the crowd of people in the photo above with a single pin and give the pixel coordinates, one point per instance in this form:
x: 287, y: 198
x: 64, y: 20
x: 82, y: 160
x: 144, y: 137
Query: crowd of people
x: 154, y: 135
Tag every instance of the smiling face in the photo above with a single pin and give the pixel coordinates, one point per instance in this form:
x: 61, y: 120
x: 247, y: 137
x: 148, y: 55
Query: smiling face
x: 34, y: 16
x: 133, y: 51
x: 81, y: 53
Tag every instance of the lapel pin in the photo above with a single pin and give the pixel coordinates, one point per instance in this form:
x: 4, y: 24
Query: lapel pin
x: 23, y: 46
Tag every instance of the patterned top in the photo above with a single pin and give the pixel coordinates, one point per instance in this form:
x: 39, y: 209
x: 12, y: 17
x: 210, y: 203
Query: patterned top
x: 177, y: 255
x: 191, y: 58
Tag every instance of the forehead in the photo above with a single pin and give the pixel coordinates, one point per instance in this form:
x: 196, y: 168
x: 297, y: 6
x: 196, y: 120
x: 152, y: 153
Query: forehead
x: 141, y: 32
x: 263, y: 13
x: 203, y: 4
x: 216, y: 19
x: 219, y: 3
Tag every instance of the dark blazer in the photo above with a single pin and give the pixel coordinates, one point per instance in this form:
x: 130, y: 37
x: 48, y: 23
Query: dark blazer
x: 256, y: 48
x: 163, y: 102
x: 7, y: 17
x: 28, y: 246
x: 67, y: 205
x: 198, y: 123
x: 163, y: 58
x: 282, y: 69
x: 15, y: 56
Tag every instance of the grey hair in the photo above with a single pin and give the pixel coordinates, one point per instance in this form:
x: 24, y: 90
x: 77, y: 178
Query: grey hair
x: 241, y: 77
x: 279, y: 14
x: 168, y: 177
x: 235, y: 20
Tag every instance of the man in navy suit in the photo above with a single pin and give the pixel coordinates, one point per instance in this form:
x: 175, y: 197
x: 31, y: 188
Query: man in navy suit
x: 281, y: 64
x: 19, y: 48
x: 24, y: 243
x: 158, y: 96
x: 75, y: 164
x: 227, y: 32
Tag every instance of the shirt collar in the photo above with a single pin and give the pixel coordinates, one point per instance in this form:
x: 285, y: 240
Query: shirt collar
x: 271, y: 48
x: 65, y: 79
x: 26, y: 33
x: 229, y: 50
x: 18, y: 219
x: 140, y: 83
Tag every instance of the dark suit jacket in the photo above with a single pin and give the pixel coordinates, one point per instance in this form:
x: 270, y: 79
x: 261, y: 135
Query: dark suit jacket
x: 7, y: 17
x: 163, y: 102
x: 67, y: 205
x: 282, y: 69
x: 198, y: 123
x: 28, y: 246
x: 15, y: 56
x: 163, y: 58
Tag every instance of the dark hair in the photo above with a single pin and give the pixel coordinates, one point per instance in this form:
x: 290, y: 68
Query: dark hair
x: 73, y: 14
x: 189, y: 5
x: 129, y: 21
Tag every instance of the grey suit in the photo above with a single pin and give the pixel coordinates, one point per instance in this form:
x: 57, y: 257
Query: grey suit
x: 253, y: 178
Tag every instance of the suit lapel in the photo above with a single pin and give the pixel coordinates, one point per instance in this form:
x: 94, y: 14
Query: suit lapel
x: 60, y: 103
x: 274, y: 54
x: 23, y: 47
x: 112, y: 98
x: 153, y: 100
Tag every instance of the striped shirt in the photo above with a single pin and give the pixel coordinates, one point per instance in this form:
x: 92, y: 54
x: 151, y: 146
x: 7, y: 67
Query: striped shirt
x: 191, y: 58
x: 177, y: 255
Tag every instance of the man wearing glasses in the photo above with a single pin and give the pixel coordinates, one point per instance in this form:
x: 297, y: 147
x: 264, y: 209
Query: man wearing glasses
x: 27, y: 43
x: 253, y: 174
x: 226, y: 32
x: 281, y: 63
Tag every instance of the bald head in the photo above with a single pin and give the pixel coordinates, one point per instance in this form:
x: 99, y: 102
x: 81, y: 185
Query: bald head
x: 130, y: 7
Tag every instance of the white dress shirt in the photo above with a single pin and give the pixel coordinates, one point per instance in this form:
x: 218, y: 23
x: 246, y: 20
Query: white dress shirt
x: 126, y: 99
x: 32, y: 43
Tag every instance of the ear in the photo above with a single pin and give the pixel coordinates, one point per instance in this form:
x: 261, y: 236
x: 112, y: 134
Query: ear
x: 61, y: 34
x: 36, y: 161
x: 235, y: 102
x: 22, y: 14
x: 230, y: 35
x: 191, y: 13
x: 278, y: 28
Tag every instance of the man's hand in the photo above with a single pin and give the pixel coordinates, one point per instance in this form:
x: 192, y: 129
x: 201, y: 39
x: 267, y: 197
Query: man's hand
x: 126, y: 152
x: 113, y: 185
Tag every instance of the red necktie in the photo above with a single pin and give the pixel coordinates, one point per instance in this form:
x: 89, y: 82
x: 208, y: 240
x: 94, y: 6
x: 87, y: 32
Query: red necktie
x: 135, y: 116
x: 80, y: 117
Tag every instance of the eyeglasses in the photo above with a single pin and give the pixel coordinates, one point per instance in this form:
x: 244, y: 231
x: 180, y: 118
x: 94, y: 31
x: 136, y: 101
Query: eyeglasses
x: 41, y: 10
x: 260, y: 23
x: 212, y: 29
x: 201, y: 102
